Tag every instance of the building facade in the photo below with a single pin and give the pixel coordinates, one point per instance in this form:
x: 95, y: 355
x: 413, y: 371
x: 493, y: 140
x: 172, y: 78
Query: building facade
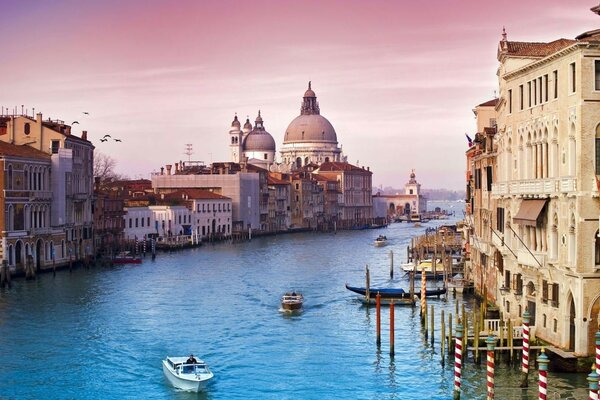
x: 547, y: 187
x: 393, y: 206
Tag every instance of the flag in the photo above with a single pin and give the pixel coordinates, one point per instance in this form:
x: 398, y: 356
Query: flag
x: 469, y: 139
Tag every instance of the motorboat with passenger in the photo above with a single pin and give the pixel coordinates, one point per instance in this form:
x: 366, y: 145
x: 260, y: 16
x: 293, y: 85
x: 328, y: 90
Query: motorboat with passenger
x: 187, y: 373
x: 380, y: 241
x: 292, y: 301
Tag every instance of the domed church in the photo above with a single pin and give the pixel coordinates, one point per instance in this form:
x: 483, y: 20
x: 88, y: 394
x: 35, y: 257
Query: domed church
x: 253, y: 145
x: 310, y: 137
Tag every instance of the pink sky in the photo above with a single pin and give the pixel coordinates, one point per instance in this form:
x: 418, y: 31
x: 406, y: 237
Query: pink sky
x: 397, y: 79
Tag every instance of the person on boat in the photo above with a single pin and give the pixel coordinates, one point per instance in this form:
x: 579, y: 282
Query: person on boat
x: 294, y: 294
x: 191, y: 360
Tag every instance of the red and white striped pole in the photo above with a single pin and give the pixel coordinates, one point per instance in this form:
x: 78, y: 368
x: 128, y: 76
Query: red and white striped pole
x: 593, y: 383
x: 597, y: 336
x: 543, y: 369
x: 525, y: 358
x: 491, y: 344
x: 458, y: 359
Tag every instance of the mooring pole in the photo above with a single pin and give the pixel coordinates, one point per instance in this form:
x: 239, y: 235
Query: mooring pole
x: 592, y: 379
x: 378, y: 308
x: 543, y: 371
x: 392, y: 328
x: 491, y: 342
x: 458, y: 346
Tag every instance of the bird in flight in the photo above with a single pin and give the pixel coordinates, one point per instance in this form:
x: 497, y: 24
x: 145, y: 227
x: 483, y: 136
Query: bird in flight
x: 86, y: 113
x: 117, y: 140
x: 74, y: 122
x: 103, y: 140
x: 105, y: 136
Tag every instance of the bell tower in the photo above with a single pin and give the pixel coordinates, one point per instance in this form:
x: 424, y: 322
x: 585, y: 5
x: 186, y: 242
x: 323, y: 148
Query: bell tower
x: 235, y: 137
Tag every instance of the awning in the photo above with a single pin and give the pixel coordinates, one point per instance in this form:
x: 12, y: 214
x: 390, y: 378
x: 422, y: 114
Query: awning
x: 529, y: 212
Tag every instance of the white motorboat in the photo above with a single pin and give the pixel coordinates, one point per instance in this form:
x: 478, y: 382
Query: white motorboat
x: 380, y: 241
x: 186, y: 374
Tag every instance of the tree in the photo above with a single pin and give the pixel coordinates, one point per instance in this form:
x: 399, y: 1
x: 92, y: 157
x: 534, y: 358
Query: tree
x: 104, y: 168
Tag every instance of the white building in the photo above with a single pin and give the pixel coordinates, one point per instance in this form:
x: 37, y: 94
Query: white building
x: 255, y: 146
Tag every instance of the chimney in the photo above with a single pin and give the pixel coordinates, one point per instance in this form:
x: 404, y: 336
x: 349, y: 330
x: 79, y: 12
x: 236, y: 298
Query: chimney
x: 176, y: 167
x: 168, y: 169
x: 84, y: 135
x: 368, y: 168
x: 162, y: 170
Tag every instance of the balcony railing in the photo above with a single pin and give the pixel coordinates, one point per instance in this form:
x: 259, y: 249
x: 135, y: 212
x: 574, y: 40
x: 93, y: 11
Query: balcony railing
x: 524, y: 257
x: 535, y: 187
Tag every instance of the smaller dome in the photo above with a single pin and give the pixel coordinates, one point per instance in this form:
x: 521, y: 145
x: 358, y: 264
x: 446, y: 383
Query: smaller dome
x: 309, y: 92
x: 248, y: 125
x: 235, y: 123
x: 259, y: 141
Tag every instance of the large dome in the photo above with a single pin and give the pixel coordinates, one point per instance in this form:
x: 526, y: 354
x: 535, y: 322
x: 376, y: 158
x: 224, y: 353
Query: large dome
x: 310, y: 128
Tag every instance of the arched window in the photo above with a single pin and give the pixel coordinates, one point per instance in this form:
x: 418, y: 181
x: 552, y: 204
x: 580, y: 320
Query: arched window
x: 572, y: 151
x: 27, y: 128
x: 298, y: 162
x: 306, y: 160
x: 11, y: 255
x: 597, y: 248
x: 554, y: 238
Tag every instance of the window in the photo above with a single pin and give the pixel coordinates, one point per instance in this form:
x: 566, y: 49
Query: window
x: 27, y: 128
x: 500, y: 219
x: 573, y: 77
x: 534, y: 93
x: 521, y: 96
x: 478, y: 178
x: 555, y: 76
x: 507, y: 279
x: 546, y: 87
x: 488, y: 172
x: 510, y: 101
x: 130, y: 223
x: 55, y: 146
x: 540, y: 91
x: 597, y: 74
x: 529, y: 93
x: 598, y: 150
x: 555, y: 294
x: 265, y: 156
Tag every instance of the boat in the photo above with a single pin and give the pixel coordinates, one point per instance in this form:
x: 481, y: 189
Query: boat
x: 394, y: 293
x: 292, y: 301
x: 380, y: 241
x: 125, y: 257
x: 187, y: 375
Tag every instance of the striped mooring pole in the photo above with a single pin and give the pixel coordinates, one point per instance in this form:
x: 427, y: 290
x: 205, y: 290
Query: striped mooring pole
x: 491, y: 344
x: 543, y: 370
x: 593, y: 383
x: 597, y: 336
x: 525, y: 357
x: 458, y: 359
x: 423, y: 291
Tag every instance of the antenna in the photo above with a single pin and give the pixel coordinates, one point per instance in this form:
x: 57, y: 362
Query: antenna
x: 189, y: 150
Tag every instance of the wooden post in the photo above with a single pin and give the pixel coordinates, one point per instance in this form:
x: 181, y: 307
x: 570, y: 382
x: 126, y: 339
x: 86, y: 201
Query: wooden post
x: 425, y: 323
x: 367, y: 285
x: 450, y: 333
x: 509, y: 333
x: 378, y: 308
x: 501, y: 332
x: 432, y: 325
x: 476, y: 339
x: 391, y: 264
x: 443, y: 337
x: 392, y: 328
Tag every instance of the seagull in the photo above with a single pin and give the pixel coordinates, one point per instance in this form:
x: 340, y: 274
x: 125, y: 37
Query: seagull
x: 103, y: 140
x: 86, y: 113
x: 117, y: 140
x: 74, y: 122
x: 105, y: 136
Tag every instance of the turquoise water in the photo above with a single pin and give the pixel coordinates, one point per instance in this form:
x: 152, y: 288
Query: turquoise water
x: 102, y: 332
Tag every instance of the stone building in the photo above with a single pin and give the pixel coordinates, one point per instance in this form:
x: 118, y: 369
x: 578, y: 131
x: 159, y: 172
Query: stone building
x: 71, y: 175
x: 355, y: 204
x: 392, y: 206
x: 251, y: 145
x: 548, y: 163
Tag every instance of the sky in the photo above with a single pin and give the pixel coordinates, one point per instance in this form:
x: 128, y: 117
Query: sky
x: 397, y: 79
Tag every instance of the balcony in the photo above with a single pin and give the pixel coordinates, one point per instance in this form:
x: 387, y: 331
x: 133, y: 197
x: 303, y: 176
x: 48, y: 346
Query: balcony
x: 525, y: 258
x: 40, y: 195
x: 538, y: 188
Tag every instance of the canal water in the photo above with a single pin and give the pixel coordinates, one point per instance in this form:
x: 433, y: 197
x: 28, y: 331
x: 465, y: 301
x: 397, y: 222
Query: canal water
x: 102, y: 332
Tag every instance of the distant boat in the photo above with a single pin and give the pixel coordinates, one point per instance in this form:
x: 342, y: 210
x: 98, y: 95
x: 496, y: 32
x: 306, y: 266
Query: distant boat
x: 292, y: 301
x: 380, y: 241
x: 125, y: 257
x: 187, y: 375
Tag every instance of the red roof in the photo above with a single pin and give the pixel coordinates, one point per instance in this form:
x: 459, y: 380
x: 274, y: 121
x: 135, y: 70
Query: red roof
x: 535, y: 49
x: 271, y: 180
x: 489, y: 103
x: 340, y: 166
x: 25, y: 151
